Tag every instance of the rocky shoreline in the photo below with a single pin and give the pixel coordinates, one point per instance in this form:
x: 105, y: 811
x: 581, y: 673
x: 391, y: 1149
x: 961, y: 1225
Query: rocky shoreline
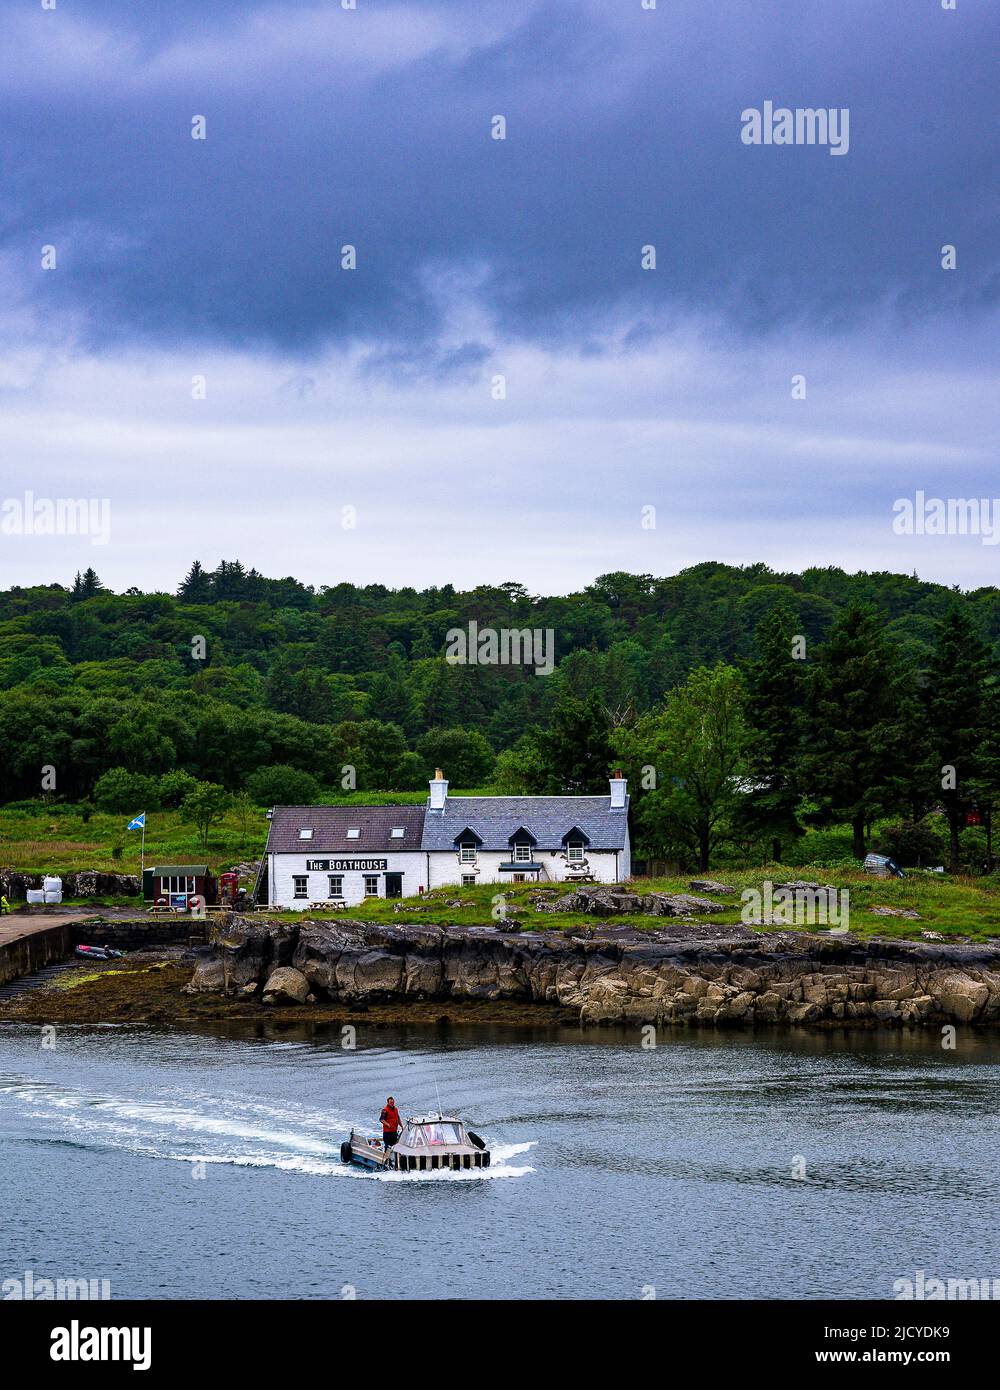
x: 688, y: 973
x: 684, y: 974
x: 149, y: 989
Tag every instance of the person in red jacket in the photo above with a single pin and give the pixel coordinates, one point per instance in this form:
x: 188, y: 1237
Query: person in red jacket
x: 390, y: 1123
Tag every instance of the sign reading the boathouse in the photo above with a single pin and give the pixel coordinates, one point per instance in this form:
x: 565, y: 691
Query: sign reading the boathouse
x: 327, y: 865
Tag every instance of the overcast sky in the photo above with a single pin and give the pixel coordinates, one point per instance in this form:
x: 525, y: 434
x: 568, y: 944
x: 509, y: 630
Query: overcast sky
x: 373, y: 388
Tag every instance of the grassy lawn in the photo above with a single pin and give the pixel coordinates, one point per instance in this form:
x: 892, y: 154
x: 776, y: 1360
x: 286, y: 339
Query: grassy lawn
x: 56, y: 840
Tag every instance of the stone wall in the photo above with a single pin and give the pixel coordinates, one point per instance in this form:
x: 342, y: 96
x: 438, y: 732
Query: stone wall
x: 616, y: 975
x: 136, y: 935
x: 23, y: 954
x: 83, y: 883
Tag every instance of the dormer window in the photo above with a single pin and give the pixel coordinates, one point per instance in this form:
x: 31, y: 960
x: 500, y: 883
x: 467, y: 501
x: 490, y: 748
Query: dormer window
x: 306, y: 833
x: 467, y: 845
x: 353, y: 832
x: 575, y: 841
x: 398, y: 831
x: 522, y: 845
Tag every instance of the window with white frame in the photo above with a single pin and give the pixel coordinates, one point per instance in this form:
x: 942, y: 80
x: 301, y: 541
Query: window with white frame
x: 306, y: 833
x: 467, y: 852
x: 336, y: 886
x: 468, y: 880
x: 177, y: 883
x: 371, y: 885
x: 574, y: 851
x: 398, y: 831
x: 353, y: 831
x: 300, y: 885
x: 522, y: 854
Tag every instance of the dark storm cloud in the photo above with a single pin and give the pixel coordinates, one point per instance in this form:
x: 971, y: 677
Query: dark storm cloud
x: 371, y: 127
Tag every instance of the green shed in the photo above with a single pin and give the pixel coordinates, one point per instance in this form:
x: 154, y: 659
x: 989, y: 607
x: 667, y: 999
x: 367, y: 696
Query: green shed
x: 169, y: 880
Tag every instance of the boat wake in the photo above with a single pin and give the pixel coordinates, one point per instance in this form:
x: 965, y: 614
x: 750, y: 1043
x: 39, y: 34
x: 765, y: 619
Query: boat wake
x: 197, y: 1127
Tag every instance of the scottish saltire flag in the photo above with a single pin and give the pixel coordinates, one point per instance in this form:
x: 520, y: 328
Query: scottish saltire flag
x: 138, y: 824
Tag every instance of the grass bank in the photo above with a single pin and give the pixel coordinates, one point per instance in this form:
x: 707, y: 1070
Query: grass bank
x: 955, y: 908
x: 58, y: 839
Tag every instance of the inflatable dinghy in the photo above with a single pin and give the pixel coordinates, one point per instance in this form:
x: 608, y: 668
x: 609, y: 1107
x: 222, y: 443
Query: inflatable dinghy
x: 98, y: 953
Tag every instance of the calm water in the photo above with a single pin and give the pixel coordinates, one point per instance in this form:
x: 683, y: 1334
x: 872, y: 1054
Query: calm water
x: 614, y: 1168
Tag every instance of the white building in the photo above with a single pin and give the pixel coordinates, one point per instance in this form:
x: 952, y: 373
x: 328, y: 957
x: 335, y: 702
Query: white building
x: 518, y: 839
x: 344, y: 854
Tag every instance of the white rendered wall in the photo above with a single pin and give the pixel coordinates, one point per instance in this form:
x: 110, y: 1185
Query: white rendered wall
x: 446, y: 869
x: 412, y: 864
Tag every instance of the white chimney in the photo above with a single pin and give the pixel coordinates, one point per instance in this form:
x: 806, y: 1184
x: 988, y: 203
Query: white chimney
x: 439, y: 790
x: 619, y: 786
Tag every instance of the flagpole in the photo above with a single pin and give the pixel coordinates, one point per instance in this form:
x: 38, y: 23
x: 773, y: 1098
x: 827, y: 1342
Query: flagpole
x: 142, y: 851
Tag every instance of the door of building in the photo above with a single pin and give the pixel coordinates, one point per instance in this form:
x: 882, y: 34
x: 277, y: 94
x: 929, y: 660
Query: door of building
x: 394, y: 885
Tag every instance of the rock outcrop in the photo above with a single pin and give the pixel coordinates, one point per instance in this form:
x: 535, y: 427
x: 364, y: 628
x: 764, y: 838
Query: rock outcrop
x: 81, y: 883
x: 694, y: 973
x: 611, y: 902
x: 244, y: 951
x: 286, y: 985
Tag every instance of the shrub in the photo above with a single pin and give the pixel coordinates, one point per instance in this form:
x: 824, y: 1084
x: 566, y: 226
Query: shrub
x: 119, y: 790
x: 913, y: 844
x: 282, y: 786
x: 411, y: 774
x: 821, y: 847
x: 972, y: 848
x: 465, y: 756
x: 175, y: 786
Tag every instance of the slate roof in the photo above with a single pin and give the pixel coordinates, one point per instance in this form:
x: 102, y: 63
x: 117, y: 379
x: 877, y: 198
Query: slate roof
x: 330, y: 825
x: 496, y: 818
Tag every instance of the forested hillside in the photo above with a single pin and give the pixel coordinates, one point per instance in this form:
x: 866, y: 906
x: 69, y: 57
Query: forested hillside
x: 236, y: 675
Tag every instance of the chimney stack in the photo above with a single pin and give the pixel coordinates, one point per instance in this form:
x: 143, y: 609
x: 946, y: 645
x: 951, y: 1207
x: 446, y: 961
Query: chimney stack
x: 439, y: 790
x: 619, y: 788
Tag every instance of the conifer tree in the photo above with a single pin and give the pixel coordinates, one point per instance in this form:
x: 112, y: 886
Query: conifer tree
x: 853, y: 754
x: 86, y: 585
x: 955, y: 696
x: 776, y: 690
x: 196, y: 586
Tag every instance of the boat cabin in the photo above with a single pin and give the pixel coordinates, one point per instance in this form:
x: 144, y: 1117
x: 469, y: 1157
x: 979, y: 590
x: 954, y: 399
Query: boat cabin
x: 427, y: 1142
x: 436, y: 1141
